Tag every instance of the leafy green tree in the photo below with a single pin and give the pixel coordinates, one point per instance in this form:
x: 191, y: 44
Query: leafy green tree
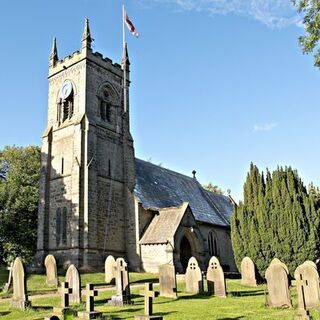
x: 310, y: 9
x: 278, y: 218
x: 213, y: 188
x: 19, y: 202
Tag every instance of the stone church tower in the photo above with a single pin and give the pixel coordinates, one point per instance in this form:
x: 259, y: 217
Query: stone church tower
x: 86, y: 208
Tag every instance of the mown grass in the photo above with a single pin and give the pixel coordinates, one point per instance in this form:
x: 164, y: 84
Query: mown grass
x: 241, y: 303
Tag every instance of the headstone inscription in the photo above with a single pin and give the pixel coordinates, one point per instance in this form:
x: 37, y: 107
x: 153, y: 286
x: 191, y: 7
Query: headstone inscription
x: 122, y: 296
x: 73, y: 278
x: 51, y: 270
x: 109, y: 269
x: 194, y: 280
x: 248, y: 273
x: 215, y: 278
x: 278, y: 286
x: 168, y: 281
x: 89, y: 313
x: 148, y: 294
x: 20, y: 297
x: 307, y: 283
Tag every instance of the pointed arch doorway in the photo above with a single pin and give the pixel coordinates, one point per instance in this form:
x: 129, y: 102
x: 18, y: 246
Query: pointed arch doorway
x: 185, y: 252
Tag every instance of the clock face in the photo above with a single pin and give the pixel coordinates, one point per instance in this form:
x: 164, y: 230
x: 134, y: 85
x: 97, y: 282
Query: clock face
x: 66, y: 89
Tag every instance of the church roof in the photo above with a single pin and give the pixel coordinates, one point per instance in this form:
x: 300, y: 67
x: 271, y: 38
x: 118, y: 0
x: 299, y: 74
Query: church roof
x: 157, y: 187
x: 164, y: 225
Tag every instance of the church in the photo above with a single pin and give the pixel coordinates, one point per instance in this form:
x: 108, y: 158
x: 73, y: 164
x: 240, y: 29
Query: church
x: 97, y: 199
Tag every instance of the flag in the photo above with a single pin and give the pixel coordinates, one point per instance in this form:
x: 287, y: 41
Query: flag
x: 130, y: 26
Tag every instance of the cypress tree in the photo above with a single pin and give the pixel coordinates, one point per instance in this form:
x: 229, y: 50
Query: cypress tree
x: 278, y: 218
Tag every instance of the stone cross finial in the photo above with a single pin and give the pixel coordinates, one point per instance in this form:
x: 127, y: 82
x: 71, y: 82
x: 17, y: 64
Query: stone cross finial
x: 194, y: 172
x: 64, y: 292
x: 148, y: 297
x: 90, y: 294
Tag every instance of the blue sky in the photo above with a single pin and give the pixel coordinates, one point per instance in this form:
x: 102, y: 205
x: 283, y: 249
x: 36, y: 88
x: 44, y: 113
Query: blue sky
x: 216, y: 84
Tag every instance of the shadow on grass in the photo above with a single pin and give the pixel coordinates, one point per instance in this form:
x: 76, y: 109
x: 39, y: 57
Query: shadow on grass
x: 110, y: 316
x: 145, y: 280
x: 236, y: 318
x: 196, y: 296
x: 36, y: 308
x: 4, y: 313
x: 246, y: 293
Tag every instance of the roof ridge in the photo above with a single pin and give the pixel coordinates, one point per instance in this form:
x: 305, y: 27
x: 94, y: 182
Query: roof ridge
x: 169, y: 170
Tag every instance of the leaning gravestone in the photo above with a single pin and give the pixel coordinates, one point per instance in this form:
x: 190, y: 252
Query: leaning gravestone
x: 248, y: 274
x: 51, y: 270
x: 194, y: 281
x: 278, y: 286
x: 20, y: 297
x: 168, y: 281
x: 109, y: 269
x: 307, y: 283
x: 122, y: 296
x: 74, y: 281
x: 215, y: 278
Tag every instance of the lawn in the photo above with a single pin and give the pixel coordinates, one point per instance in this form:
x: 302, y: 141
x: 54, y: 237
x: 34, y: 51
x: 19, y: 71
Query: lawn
x: 241, y: 303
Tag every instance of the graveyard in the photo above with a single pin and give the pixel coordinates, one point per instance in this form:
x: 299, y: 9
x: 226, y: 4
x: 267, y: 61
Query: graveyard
x: 217, y: 298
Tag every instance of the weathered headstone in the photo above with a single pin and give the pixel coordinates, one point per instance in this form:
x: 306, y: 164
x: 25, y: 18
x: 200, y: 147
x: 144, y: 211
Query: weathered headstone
x: 248, y: 273
x: 307, y: 283
x: 65, y: 292
x: 277, y: 261
x: 194, y: 280
x: 278, y: 286
x: 73, y: 278
x: 51, y: 270
x: 109, y: 269
x: 122, y: 296
x: 168, y: 281
x: 148, y: 300
x: 20, y: 297
x: 89, y: 313
x: 9, y: 283
x: 215, y: 278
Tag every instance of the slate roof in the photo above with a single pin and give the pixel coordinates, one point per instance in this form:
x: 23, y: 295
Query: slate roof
x: 164, y: 225
x: 157, y: 187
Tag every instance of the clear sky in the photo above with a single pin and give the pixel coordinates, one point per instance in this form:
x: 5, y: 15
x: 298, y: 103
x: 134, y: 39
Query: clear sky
x: 216, y: 84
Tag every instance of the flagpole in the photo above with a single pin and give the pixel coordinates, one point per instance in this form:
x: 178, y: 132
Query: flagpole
x: 125, y: 61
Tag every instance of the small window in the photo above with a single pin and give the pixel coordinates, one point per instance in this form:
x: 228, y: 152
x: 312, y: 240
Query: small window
x: 212, y: 244
x: 64, y: 226
x: 105, y: 111
x: 58, y: 226
x: 62, y: 166
x: 68, y: 108
x: 109, y: 168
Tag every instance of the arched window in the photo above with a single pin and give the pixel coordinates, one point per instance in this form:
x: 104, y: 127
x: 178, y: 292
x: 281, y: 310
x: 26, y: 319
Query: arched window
x: 58, y: 226
x: 106, y: 98
x: 212, y: 244
x: 67, y: 107
x: 61, y: 226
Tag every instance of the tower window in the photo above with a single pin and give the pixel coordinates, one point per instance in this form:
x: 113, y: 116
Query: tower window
x: 105, y: 110
x: 62, y: 165
x: 61, y: 226
x: 67, y: 107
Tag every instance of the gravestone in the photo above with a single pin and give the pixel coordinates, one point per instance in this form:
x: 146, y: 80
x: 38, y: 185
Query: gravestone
x: 248, y: 273
x: 51, y: 270
x: 73, y: 278
x: 122, y: 296
x: 194, y: 280
x: 20, y: 297
x: 9, y: 283
x: 168, y: 281
x: 109, y: 269
x: 215, y: 278
x: 89, y: 313
x: 278, y: 286
x: 148, y: 301
x: 307, y: 283
x: 65, y: 292
x: 277, y: 261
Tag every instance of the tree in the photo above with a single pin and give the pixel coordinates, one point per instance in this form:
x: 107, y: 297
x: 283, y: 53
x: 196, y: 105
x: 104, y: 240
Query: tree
x: 19, y: 202
x: 278, y: 218
x: 310, y: 9
x: 213, y: 188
